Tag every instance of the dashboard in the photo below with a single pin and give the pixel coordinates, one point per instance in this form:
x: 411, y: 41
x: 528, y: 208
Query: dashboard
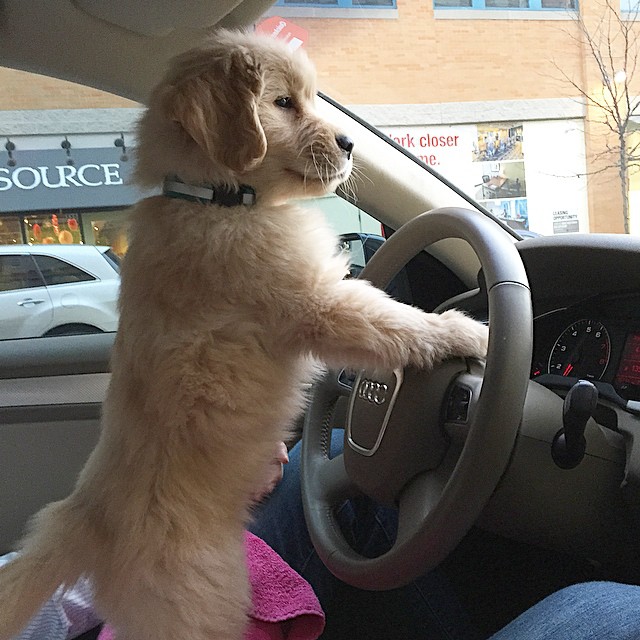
x: 586, y: 299
x: 585, y: 291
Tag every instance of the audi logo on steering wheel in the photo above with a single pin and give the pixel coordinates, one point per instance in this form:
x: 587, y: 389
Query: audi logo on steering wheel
x: 372, y: 391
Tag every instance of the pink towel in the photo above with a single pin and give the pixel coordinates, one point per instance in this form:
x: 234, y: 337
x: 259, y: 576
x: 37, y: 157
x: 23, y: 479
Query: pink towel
x: 284, y: 605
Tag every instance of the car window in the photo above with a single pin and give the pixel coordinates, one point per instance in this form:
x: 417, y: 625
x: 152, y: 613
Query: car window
x: 56, y: 271
x: 18, y: 272
x: 66, y: 163
x: 113, y: 259
x: 66, y: 178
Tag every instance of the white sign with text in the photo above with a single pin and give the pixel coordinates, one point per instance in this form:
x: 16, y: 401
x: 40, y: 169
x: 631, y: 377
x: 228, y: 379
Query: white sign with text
x: 523, y: 172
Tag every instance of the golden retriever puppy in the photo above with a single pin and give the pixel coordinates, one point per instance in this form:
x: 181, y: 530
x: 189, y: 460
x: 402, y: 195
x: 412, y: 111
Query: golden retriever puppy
x: 226, y: 302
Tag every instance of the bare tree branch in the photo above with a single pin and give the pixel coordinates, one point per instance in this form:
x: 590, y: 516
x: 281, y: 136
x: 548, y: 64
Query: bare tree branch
x: 612, y: 44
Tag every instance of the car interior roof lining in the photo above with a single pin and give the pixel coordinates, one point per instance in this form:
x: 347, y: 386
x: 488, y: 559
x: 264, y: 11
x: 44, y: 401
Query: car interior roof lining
x: 81, y: 35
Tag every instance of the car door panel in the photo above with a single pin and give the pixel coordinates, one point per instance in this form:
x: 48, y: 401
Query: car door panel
x: 25, y: 313
x: 94, y: 303
x: 51, y: 391
x: 26, y: 308
x: 83, y: 289
x: 40, y: 462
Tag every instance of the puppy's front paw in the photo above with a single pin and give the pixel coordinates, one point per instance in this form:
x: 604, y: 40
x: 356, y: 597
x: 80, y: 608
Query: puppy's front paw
x: 465, y: 337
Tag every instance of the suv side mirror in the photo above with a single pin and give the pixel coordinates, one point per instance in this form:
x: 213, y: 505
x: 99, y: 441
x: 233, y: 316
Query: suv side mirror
x: 360, y: 246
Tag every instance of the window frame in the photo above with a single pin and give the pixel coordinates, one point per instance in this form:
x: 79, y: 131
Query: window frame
x: 627, y: 9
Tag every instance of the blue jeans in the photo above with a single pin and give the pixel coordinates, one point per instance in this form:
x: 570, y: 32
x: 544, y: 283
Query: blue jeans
x: 587, y: 611
x: 427, y: 609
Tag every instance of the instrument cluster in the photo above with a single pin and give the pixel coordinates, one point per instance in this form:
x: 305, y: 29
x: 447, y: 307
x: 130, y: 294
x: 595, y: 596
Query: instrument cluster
x: 598, y: 340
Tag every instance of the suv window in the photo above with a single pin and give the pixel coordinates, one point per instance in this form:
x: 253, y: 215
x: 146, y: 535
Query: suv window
x: 57, y: 271
x: 112, y: 258
x: 18, y: 272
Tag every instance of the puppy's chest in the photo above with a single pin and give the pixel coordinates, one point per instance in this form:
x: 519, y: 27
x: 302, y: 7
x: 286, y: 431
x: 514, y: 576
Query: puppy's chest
x: 240, y: 260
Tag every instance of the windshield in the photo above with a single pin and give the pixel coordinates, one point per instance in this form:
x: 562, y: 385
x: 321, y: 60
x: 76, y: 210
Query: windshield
x: 525, y: 105
x: 528, y: 107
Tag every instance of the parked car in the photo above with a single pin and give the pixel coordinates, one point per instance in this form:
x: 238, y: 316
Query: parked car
x: 57, y: 290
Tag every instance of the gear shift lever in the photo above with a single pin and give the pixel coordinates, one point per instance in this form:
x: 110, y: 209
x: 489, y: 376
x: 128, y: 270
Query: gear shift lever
x: 568, y: 446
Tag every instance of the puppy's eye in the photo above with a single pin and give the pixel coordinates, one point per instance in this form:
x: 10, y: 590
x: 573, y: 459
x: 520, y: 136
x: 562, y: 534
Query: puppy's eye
x: 285, y: 102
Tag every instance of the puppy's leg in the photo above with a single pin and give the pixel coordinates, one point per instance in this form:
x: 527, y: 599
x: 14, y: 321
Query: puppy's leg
x: 359, y: 325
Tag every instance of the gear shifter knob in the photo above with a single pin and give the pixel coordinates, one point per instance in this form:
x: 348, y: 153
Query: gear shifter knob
x: 568, y: 446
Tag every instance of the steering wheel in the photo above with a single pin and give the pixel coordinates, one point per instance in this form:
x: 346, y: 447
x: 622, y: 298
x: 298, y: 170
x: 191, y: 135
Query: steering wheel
x: 434, y: 444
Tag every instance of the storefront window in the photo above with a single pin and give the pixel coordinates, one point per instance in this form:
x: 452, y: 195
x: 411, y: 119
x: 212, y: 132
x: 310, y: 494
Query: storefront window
x: 105, y: 228
x: 53, y: 228
x: 108, y: 229
x: 10, y: 230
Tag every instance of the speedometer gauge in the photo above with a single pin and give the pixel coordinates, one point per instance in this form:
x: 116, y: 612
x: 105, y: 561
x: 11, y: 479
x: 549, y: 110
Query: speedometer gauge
x: 581, y: 351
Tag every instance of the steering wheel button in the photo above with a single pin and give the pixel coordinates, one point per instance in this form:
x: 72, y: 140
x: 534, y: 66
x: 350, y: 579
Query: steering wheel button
x: 458, y: 404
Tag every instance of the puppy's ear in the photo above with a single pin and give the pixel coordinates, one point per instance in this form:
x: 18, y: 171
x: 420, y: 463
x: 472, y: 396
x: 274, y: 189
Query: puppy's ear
x: 217, y: 106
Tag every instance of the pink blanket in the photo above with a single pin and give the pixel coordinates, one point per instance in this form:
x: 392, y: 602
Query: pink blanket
x: 284, y: 605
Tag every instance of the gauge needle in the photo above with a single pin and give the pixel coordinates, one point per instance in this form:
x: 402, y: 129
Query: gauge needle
x: 576, y: 354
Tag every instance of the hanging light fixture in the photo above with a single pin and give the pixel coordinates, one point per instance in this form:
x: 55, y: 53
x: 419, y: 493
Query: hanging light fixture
x: 66, y: 145
x: 120, y: 144
x: 10, y: 147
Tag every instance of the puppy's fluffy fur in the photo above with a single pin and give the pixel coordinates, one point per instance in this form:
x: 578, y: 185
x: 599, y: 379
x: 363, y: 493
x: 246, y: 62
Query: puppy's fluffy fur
x: 222, y: 312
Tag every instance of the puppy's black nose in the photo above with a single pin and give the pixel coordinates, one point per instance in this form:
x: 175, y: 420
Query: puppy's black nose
x: 345, y: 143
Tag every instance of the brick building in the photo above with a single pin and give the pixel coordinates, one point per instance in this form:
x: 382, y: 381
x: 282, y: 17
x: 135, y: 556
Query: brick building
x: 473, y: 87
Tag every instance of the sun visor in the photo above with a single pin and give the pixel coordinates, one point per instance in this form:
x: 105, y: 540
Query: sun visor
x: 159, y: 18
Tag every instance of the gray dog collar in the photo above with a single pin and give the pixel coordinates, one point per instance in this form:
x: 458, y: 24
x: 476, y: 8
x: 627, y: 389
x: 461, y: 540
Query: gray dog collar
x: 208, y: 194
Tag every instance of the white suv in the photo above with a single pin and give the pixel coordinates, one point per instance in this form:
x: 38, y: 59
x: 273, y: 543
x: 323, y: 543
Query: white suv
x: 52, y: 290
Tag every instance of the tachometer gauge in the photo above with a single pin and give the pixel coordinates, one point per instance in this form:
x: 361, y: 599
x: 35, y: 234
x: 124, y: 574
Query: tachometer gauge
x: 581, y: 351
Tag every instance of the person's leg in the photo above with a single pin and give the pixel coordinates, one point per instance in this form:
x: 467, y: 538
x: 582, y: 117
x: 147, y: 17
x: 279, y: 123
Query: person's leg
x: 427, y: 608
x: 280, y: 522
x: 587, y: 611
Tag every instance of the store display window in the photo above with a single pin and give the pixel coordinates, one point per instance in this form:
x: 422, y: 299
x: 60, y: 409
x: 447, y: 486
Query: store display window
x: 11, y: 230
x: 53, y: 228
x: 108, y: 229
x: 104, y: 228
